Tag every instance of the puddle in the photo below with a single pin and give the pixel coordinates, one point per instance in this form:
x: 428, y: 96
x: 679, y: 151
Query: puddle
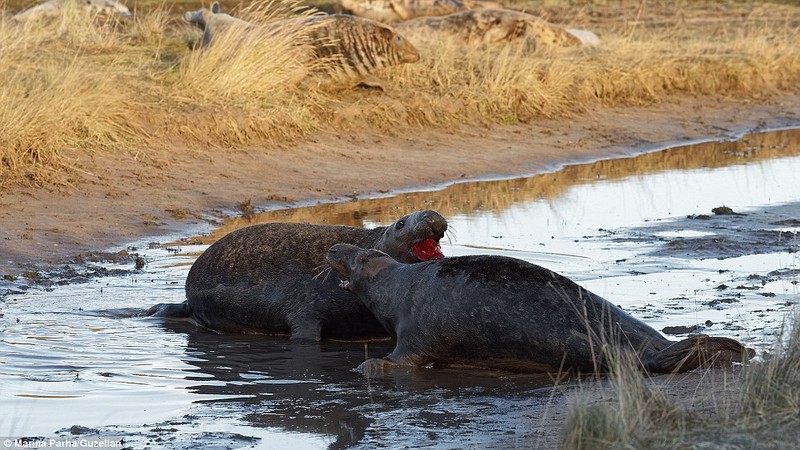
x: 637, y: 231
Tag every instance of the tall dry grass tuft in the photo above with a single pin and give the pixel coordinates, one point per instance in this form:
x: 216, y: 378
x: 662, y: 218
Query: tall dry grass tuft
x: 771, y: 390
x: 50, y: 102
x: 245, y: 64
x: 759, y: 409
x: 149, y: 28
x: 254, y: 73
x: 639, y: 412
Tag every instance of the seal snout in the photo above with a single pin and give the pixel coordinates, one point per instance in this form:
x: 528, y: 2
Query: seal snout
x: 431, y: 229
x: 337, y: 259
x: 433, y: 222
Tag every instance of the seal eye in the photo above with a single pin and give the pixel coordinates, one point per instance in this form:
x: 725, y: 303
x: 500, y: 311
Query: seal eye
x: 398, y: 39
x: 400, y: 224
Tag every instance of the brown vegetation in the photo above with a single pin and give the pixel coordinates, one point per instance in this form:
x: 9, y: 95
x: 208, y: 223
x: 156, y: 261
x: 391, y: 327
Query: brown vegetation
x: 764, y: 413
x: 81, y: 85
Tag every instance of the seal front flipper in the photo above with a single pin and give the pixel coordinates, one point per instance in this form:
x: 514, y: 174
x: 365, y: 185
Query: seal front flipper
x: 305, y: 330
x: 372, y: 82
x: 173, y: 310
x: 696, y: 351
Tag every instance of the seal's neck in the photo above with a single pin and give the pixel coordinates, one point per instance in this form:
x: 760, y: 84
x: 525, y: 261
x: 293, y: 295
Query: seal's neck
x: 379, y: 290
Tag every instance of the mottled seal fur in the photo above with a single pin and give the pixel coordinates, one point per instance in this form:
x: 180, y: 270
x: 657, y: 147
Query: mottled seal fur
x: 349, y: 48
x: 505, y: 313
x: 392, y: 11
x: 267, y: 278
x: 353, y: 47
x: 492, y: 26
x: 54, y: 8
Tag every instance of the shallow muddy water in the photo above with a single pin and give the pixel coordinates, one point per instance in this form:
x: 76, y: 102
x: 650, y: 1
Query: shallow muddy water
x: 638, y: 231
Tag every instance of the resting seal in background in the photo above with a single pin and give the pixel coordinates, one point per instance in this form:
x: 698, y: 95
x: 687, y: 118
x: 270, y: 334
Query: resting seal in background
x: 54, y: 8
x: 351, y: 48
x: 266, y: 278
x: 391, y: 11
x: 505, y: 313
x: 494, y: 26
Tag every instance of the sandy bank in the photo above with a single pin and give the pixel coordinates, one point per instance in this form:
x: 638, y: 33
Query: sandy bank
x: 128, y: 198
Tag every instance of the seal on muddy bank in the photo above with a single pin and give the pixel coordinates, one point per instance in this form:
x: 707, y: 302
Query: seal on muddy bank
x: 266, y: 278
x: 505, y: 313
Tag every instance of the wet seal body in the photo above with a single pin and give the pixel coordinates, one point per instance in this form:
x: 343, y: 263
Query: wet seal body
x: 347, y: 47
x: 54, y: 8
x: 267, y: 278
x: 505, y: 313
x: 496, y: 26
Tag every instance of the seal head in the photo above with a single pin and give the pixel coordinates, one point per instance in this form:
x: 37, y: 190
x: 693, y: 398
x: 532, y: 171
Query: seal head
x: 414, y: 237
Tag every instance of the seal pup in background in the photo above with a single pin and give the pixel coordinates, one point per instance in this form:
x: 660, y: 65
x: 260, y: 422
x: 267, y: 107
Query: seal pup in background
x: 54, y: 8
x: 493, y: 26
x: 266, y: 278
x: 211, y: 21
x: 505, y: 313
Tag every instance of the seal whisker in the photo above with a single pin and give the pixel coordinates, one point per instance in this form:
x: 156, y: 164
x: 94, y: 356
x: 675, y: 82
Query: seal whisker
x: 324, y: 268
x: 450, y: 234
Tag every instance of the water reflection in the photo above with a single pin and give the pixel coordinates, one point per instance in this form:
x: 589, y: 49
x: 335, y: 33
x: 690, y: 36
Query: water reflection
x: 498, y: 196
x: 312, y: 388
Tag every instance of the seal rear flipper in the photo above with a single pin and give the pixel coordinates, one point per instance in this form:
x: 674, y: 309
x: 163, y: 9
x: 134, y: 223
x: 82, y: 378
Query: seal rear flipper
x: 697, y: 351
x: 172, y: 310
x: 379, y: 366
x: 374, y: 367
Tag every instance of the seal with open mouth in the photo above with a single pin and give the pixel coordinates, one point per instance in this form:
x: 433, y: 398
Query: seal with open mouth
x: 505, y: 313
x: 266, y: 278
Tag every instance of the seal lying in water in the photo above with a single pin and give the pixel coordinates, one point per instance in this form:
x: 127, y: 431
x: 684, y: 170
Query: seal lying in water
x: 263, y: 278
x: 505, y: 313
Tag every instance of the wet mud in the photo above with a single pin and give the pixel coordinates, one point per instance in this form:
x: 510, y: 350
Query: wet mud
x: 771, y: 229
x: 637, y: 231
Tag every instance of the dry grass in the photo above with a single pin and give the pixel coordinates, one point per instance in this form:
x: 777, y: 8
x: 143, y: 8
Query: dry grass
x: 80, y: 84
x: 764, y: 414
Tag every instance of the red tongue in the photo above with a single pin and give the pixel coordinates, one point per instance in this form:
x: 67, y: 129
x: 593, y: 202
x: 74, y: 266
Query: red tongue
x: 427, y: 250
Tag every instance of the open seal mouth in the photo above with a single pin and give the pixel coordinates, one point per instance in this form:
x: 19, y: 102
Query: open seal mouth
x: 427, y: 249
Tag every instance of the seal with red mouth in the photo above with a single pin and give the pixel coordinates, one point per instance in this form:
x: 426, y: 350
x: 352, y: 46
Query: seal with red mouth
x: 266, y: 278
x: 505, y: 313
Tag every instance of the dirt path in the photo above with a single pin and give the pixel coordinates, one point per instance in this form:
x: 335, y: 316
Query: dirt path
x: 130, y: 197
